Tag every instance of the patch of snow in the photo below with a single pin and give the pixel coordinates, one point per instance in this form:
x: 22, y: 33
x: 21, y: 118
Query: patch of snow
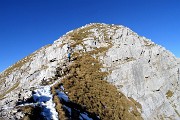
x: 42, y: 94
x: 43, y: 97
x: 6, y: 108
x: 62, y: 87
x: 62, y: 96
x: 67, y: 108
x: 84, y: 116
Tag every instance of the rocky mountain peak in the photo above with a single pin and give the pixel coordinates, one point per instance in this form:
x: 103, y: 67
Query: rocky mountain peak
x: 97, y: 71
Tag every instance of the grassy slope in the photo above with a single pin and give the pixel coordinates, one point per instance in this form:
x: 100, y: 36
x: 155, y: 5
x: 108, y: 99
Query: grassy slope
x: 8, y: 91
x: 15, y: 67
x: 86, y: 87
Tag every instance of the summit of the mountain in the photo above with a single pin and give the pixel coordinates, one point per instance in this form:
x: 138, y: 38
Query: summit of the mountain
x: 112, y: 73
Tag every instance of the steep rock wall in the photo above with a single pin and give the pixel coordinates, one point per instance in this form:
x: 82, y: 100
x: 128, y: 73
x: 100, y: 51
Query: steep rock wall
x: 139, y: 68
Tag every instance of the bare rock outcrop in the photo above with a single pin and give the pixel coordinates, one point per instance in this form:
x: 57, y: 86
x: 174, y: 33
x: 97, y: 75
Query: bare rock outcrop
x: 139, y: 68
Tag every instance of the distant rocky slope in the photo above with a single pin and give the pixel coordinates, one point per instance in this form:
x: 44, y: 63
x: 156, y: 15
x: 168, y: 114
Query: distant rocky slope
x: 113, y: 74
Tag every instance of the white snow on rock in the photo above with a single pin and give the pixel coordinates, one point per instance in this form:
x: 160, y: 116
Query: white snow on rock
x: 138, y: 67
x: 84, y: 116
x: 43, y: 97
x: 62, y: 96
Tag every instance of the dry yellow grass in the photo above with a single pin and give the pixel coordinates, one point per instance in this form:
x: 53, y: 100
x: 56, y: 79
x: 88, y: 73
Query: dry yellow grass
x: 20, y: 63
x: 8, y: 91
x: 86, y: 86
x: 31, y: 112
x: 59, y: 109
x: 169, y: 94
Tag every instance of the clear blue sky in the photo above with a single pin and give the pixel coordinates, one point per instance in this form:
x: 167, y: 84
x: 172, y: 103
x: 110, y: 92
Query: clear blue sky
x: 27, y: 25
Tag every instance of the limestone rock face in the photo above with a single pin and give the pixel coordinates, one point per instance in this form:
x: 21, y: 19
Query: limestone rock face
x: 139, y: 68
x: 146, y: 72
x: 19, y: 80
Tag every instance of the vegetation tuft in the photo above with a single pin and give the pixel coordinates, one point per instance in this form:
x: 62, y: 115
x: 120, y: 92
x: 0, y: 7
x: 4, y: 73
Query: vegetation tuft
x: 169, y: 94
x: 86, y: 86
x: 20, y: 63
x: 59, y: 108
x: 17, y: 65
x: 8, y: 91
x: 32, y: 113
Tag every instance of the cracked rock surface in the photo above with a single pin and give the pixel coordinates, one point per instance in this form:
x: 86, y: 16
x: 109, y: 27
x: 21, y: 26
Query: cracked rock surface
x: 139, y: 68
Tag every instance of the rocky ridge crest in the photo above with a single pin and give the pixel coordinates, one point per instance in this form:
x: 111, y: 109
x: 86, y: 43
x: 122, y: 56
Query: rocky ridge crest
x: 142, y: 70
